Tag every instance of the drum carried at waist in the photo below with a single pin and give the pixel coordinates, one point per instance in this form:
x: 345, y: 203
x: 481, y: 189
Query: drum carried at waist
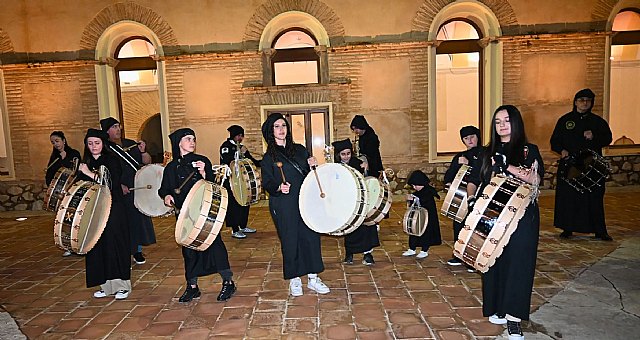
x: 416, y: 219
x: 245, y: 181
x: 147, y: 181
x: 58, y: 187
x: 455, y: 203
x: 202, y: 215
x: 494, y: 218
x: 584, y: 171
x: 379, y: 200
x: 82, y: 217
x: 343, y: 206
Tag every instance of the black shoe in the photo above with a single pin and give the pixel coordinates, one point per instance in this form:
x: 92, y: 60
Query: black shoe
x: 228, y: 288
x: 566, y: 234
x: 604, y: 237
x: 515, y: 330
x: 139, y: 258
x: 454, y: 261
x: 348, y: 259
x: 368, y: 259
x: 189, y: 294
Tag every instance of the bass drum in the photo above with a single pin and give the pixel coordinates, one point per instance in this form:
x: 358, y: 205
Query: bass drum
x: 82, y: 217
x: 455, y: 203
x: 57, y: 188
x: 415, y: 220
x: 245, y: 182
x: 147, y: 181
x: 202, y: 215
x: 494, y: 218
x: 344, y: 205
x: 379, y: 200
x: 584, y: 171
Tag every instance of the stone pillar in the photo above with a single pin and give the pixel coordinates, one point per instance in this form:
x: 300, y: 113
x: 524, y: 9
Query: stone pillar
x: 321, y: 50
x: 267, y: 66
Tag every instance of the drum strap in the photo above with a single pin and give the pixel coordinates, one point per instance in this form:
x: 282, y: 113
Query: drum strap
x: 295, y: 165
x: 118, y: 150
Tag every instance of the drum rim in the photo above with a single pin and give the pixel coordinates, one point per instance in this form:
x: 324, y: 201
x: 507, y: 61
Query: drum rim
x: 103, y: 219
x: 160, y: 201
x: 455, y: 186
x: 382, y: 205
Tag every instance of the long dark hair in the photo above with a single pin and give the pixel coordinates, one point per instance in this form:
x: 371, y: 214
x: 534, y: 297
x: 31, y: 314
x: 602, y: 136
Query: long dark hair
x: 289, y: 148
x: 512, y: 149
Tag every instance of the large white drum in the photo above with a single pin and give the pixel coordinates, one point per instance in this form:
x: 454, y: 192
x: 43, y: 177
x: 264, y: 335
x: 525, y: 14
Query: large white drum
x: 202, y: 215
x: 245, y: 181
x: 344, y: 205
x: 146, y: 199
x: 379, y: 200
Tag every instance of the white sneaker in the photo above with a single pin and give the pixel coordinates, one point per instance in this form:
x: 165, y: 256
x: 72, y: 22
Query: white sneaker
x: 496, y: 320
x: 99, y: 294
x: 66, y: 253
x: 422, y: 254
x: 318, y: 286
x: 248, y: 230
x: 122, y: 294
x: 295, y: 287
x: 238, y: 234
x: 409, y: 252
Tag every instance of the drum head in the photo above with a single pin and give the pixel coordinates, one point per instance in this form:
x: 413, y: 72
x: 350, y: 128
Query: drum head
x: 374, y: 186
x: 96, y: 206
x: 146, y: 199
x: 415, y: 221
x: 191, y: 210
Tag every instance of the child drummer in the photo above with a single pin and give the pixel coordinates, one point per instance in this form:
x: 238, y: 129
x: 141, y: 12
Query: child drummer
x: 426, y: 194
x: 178, y: 178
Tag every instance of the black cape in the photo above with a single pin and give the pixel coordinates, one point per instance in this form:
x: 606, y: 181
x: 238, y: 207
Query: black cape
x: 431, y: 236
x: 237, y: 215
x: 369, y: 145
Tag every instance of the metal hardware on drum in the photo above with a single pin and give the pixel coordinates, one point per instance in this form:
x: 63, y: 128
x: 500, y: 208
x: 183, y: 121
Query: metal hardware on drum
x: 178, y: 189
x: 322, y: 195
x: 148, y: 186
x: 279, y: 165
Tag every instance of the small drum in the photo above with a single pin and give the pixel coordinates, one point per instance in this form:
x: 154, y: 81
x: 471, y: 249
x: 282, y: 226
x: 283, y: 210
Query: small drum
x: 202, y: 215
x: 416, y: 219
x: 82, y: 217
x: 379, y: 200
x: 57, y: 188
x: 344, y: 205
x: 494, y: 218
x: 455, y: 203
x: 146, y: 199
x: 245, y: 182
x: 584, y: 171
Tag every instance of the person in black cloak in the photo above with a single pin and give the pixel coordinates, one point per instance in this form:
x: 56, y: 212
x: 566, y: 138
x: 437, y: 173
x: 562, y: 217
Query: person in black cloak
x: 108, y: 263
x: 368, y: 144
x: 471, y: 138
x: 426, y: 194
x: 140, y: 225
x: 284, y: 167
x: 62, y: 155
x: 191, y: 167
x: 507, y: 285
x: 237, y: 215
x: 365, y: 238
x: 576, y: 131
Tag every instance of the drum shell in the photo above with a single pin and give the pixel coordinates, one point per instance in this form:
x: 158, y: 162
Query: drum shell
x: 584, y: 171
x: 145, y: 199
x: 379, y: 201
x: 206, y: 206
x: 455, y: 204
x: 245, y: 182
x: 61, y: 182
x: 415, y: 220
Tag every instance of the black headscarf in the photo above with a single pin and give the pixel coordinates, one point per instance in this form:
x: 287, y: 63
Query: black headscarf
x: 470, y: 130
x: 235, y: 130
x: 175, y: 138
x: 107, y: 123
x: 97, y: 134
x: 584, y: 93
x: 418, y: 177
x: 360, y: 122
x: 342, y: 145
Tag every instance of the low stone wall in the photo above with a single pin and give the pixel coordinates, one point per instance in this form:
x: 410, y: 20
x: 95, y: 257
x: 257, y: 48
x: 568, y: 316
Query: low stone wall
x: 24, y: 195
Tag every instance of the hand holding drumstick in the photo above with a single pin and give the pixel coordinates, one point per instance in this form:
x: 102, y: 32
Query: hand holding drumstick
x: 284, y: 187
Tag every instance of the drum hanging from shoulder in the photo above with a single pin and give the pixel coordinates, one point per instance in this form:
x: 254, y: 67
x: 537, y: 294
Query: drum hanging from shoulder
x: 455, y: 203
x: 416, y: 219
x: 379, y: 200
x: 82, y: 217
x: 202, y: 215
x: 57, y: 188
x: 147, y: 181
x: 584, y: 171
x: 344, y: 205
x: 245, y: 181
x: 494, y: 218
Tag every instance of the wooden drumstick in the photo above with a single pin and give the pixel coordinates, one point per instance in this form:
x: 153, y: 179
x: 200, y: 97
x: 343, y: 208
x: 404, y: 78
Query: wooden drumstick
x: 279, y: 165
x: 322, y: 195
x: 148, y: 186
x: 52, y: 163
x: 177, y: 190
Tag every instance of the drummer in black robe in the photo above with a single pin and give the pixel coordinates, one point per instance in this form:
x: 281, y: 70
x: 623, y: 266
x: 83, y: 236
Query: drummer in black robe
x: 182, y: 173
x: 426, y: 195
x: 237, y: 215
x: 364, y: 238
x: 140, y: 225
x: 577, y: 131
x: 62, y: 155
x: 471, y: 138
x: 108, y: 263
x: 301, y: 251
x: 507, y: 285
x: 368, y: 144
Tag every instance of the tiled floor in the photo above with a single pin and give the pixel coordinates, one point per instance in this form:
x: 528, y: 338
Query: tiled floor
x: 398, y: 298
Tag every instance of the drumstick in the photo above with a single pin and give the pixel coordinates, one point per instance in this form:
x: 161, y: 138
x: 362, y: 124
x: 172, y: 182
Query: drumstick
x: 52, y: 163
x: 177, y: 191
x: 148, y: 186
x: 279, y: 165
x: 318, y: 180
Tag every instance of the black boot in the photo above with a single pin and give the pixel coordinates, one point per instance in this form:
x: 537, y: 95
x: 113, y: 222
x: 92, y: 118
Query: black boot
x: 228, y: 288
x: 367, y: 260
x: 566, y: 234
x: 190, y: 293
x: 348, y: 259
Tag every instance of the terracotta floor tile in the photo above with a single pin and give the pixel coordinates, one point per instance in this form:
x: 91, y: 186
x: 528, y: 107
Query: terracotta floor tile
x: 379, y: 335
x: 457, y: 334
x: 161, y: 329
x: 301, y: 312
x: 230, y: 328
x: 236, y: 313
x: 94, y: 331
x: 172, y: 315
x: 133, y: 324
x: 420, y: 331
x: 69, y: 325
x: 405, y: 317
x: 338, y: 332
x: 300, y: 325
x: 145, y: 311
x: 46, y: 319
x: 264, y: 332
x: 192, y: 334
x: 267, y: 319
x: 109, y: 317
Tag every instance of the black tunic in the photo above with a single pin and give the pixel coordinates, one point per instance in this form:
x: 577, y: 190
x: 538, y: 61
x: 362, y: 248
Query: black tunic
x: 140, y: 225
x: 365, y: 237
x: 369, y: 145
x: 574, y: 211
x: 507, y: 285
x: 196, y: 263
x: 431, y: 236
x: 109, y: 259
x: 473, y: 156
x: 66, y: 162
x: 301, y: 251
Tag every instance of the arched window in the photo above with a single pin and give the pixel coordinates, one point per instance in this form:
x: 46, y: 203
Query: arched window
x: 295, y: 60
x: 458, y: 82
x: 624, y: 101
